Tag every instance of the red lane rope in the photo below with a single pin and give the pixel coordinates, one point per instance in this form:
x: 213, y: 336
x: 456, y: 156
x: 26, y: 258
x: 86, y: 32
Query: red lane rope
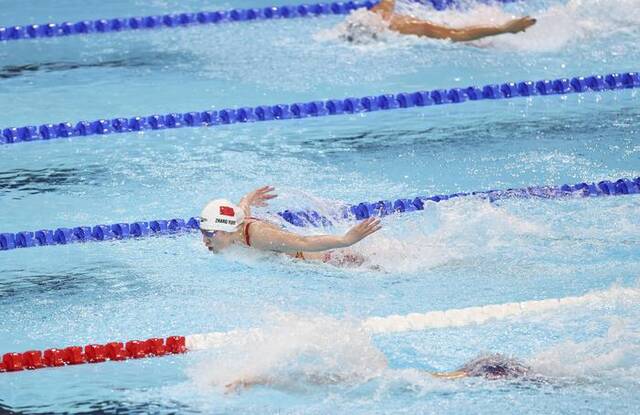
x: 92, y: 353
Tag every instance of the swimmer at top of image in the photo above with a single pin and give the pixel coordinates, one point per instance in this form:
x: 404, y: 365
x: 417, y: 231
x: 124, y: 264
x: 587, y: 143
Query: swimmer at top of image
x: 364, y: 25
x: 224, y: 224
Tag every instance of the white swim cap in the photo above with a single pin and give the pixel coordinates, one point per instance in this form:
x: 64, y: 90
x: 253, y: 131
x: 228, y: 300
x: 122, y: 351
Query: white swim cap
x: 363, y: 26
x: 221, y: 215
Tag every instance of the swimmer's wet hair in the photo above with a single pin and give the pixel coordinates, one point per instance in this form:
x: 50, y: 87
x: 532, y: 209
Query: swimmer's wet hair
x: 360, y: 37
x: 496, y: 366
x: 363, y: 27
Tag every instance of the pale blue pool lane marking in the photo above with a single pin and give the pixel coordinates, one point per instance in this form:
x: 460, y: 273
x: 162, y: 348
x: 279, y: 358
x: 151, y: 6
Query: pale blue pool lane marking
x: 561, y: 86
x: 63, y: 236
x: 179, y: 20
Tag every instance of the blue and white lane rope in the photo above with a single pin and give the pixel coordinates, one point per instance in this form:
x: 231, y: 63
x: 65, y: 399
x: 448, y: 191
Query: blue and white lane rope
x: 63, y: 236
x: 561, y: 86
x: 179, y: 20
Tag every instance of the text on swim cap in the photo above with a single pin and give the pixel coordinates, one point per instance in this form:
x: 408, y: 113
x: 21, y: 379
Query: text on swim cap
x: 226, y: 221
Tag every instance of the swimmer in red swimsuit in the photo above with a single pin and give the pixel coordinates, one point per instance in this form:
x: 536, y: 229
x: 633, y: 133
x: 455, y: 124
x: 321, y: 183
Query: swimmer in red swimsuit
x: 224, y: 224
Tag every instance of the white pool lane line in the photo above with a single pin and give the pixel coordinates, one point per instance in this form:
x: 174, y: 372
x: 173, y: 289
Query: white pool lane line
x: 444, y: 319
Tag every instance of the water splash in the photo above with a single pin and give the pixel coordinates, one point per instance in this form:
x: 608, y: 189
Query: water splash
x: 558, y: 25
x: 360, y: 28
x: 446, y: 233
x: 614, y: 355
x: 472, y: 233
x: 296, y: 352
x: 450, y: 233
x: 291, y: 349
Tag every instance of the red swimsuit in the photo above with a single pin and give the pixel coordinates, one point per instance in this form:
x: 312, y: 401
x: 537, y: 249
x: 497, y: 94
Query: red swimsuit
x: 247, y: 237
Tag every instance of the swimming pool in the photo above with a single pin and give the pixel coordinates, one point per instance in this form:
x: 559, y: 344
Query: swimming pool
x: 462, y: 253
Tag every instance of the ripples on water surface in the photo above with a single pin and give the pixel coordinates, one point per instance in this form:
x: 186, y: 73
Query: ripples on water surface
x: 454, y: 254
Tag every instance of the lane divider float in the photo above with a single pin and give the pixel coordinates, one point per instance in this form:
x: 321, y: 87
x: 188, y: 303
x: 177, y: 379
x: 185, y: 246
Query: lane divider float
x: 181, y: 20
x: 455, y: 95
x: 92, y: 353
x: 142, y: 229
x: 119, y: 351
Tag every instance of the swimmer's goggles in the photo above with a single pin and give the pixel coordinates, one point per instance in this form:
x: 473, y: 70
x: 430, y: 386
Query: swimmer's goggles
x: 209, y: 234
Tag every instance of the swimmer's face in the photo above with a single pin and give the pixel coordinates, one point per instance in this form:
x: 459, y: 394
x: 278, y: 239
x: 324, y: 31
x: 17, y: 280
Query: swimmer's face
x: 217, y: 240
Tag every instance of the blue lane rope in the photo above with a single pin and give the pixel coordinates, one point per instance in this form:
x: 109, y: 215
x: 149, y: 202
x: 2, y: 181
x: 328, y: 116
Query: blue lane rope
x: 49, y: 30
x: 179, y: 20
x: 63, y: 236
x: 561, y: 86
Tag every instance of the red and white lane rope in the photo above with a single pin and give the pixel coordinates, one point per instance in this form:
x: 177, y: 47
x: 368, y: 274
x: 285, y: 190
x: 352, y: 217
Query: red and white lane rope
x: 137, y: 349
x: 92, y: 353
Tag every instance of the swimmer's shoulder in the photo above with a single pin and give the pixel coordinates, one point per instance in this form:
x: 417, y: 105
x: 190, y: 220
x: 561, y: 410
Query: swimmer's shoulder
x: 263, y: 225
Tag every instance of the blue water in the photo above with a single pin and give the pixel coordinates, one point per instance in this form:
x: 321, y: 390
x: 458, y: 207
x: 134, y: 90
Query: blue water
x: 452, y: 255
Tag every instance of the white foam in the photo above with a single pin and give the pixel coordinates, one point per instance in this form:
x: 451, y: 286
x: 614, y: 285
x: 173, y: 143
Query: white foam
x: 615, y: 354
x: 557, y: 26
x: 447, y: 233
x: 289, y: 350
x: 294, y: 352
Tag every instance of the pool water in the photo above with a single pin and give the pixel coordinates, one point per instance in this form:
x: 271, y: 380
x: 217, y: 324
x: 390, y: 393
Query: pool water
x: 454, y: 254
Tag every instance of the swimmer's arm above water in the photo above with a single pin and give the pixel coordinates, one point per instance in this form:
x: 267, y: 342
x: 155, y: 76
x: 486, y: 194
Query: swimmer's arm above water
x: 258, y: 197
x: 267, y: 237
x: 384, y: 7
x: 456, y: 374
x: 410, y: 26
x: 248, y: 382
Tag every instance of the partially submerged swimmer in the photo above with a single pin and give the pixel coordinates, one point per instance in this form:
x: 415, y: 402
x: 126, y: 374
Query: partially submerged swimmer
x: 491, y: 367
x: 223, y: 224
x: 363, y: 25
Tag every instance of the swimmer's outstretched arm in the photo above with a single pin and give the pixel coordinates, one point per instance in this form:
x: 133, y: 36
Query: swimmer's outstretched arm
x: 270, y: 238
x: 248, y: 382
x: 456, y: 374
x: 258, y: 197
x: 410, y: 26
x: 239, y: 384
x: 384, y: 7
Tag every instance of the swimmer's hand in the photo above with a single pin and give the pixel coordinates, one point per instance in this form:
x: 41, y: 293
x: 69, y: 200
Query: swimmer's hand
x: 245, y: 383
x: 361, y: 231
x: 519, y: 25
x: 236, y: 386
x: 258, y: 197
x: 456, y: 374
